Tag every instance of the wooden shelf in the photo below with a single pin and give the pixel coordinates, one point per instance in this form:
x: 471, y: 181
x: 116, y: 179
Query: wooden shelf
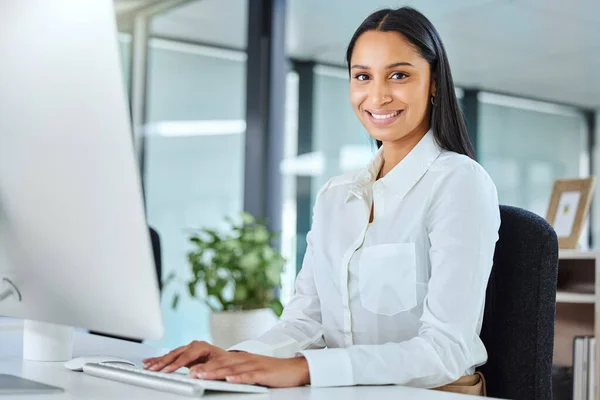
x: 577, y: 303
x: 578, y: 255
x: 574, y: 297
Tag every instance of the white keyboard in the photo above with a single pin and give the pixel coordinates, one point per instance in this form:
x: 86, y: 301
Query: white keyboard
x: 172, y: 383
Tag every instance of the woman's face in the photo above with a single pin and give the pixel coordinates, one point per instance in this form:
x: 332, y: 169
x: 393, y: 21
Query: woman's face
x: 390, y: 86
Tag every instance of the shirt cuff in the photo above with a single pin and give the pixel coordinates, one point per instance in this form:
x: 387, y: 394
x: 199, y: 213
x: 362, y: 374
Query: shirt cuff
x: 329, y: 367
x: 254, y: 347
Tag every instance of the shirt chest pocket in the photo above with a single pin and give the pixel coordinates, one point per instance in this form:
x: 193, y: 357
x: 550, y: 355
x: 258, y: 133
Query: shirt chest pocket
x: 387, y: 278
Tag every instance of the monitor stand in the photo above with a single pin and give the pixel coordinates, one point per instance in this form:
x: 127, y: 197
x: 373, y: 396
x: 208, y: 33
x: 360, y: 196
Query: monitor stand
x: 42, y: 341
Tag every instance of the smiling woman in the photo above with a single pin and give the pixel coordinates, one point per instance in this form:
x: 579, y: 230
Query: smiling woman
x: 390, y: 98
x: 393, y: 282
x: 398, y: 65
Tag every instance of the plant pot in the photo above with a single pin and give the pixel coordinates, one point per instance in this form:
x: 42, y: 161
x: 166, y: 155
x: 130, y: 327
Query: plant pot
x: 232, y: 327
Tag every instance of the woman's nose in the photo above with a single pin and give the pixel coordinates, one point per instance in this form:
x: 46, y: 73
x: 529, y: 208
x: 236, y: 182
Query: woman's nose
x: 380, y: 94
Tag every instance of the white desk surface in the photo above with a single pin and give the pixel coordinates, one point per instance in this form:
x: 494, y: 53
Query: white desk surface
x: 78, y: 385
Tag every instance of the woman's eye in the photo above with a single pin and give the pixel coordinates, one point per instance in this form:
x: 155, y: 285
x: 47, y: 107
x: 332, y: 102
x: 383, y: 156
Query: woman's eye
x: 399, y: 75
x: 362, y: 77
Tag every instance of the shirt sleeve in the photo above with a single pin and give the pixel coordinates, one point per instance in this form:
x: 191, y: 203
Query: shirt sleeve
x: 462, y: 223
x: 300, y: 326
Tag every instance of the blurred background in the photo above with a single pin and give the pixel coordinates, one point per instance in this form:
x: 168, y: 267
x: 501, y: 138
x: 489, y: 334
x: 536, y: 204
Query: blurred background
x: 243, y: 105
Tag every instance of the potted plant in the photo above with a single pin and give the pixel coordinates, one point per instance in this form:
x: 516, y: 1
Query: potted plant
x: 237, y: 274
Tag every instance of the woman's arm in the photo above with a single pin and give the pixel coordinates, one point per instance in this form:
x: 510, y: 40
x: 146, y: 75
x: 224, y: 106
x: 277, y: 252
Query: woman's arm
x: 299, y: 327
x: 463, y: 221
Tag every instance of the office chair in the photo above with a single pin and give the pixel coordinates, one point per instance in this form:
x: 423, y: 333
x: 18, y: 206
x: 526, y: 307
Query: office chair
x: 156, y: 251
x: 520, y: 306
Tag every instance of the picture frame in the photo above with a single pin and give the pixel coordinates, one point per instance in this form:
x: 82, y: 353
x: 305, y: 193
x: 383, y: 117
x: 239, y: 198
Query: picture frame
x: 568, y: 209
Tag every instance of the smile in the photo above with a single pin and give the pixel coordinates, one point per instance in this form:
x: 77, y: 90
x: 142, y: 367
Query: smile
x: 384, y: 119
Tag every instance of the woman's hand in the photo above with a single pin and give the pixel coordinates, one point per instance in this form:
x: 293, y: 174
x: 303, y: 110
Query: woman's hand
x: 251, y: 368
x: 185, y: 356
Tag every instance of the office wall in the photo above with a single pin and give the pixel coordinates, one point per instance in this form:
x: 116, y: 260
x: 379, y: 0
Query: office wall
x: 194, y: 171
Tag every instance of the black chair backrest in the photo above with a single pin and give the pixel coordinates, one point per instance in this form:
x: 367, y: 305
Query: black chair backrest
x: 155, y: 239
x: 518, y: 323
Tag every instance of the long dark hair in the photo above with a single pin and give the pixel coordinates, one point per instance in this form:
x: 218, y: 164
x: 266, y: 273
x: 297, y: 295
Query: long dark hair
x: 446, y: 119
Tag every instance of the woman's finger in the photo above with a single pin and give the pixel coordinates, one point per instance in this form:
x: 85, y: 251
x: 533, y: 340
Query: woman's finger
x: 225, y: 360
x: 148, y: 361
x: 229, y: 370
x: 250, y: 378
x: 161, y: 362
x: 198, y: 351
x: 184, y: 360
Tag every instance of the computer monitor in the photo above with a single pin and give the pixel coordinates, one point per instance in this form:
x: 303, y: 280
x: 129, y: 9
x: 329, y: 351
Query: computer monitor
x: 74, y: 239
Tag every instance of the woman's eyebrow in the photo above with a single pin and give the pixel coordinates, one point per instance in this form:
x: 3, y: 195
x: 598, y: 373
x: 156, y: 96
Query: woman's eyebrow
x: 393, y: 65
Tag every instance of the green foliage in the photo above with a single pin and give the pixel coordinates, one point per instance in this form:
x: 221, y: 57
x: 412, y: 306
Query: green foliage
x: 237, y: 270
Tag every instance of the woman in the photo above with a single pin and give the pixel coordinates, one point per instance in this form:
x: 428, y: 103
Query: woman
x: 393, y: 283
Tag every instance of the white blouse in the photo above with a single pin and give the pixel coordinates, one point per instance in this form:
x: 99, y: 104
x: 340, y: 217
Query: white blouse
x: 400, y: 300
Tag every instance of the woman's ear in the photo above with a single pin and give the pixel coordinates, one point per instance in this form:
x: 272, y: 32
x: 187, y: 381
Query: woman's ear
x: 433, y: 88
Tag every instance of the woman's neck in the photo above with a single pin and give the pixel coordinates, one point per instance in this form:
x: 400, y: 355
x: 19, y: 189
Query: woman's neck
x: 396, y: 151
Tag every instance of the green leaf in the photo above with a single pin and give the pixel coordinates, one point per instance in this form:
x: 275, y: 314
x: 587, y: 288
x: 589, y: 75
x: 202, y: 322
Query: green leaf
x: 213, y: 303
x: 220, y: 285
x: 214, y: 235
x: 276, y: 306
x: 250, y: 261
x: 192, y: 288
x: 273, y: 273
x: 247, y: 218
x: 269, y: 254
x: 261, y: 234
x: 239, y: 258
x: 169, y: 278
x: 175, y: 301
x: 241, y: 293
x: 230, y: 244
x: 215, y: 287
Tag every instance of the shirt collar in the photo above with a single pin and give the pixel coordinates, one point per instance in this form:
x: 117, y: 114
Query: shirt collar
x: 403, y: 176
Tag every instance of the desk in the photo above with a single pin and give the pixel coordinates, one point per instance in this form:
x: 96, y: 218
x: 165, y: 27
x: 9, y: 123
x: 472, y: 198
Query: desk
x: 77, y: 385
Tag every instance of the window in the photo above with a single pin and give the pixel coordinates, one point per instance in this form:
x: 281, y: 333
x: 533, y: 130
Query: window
x: 340, y: 142
x: 526, y: 145
x: 194, y: 160
x: 125, y: 51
